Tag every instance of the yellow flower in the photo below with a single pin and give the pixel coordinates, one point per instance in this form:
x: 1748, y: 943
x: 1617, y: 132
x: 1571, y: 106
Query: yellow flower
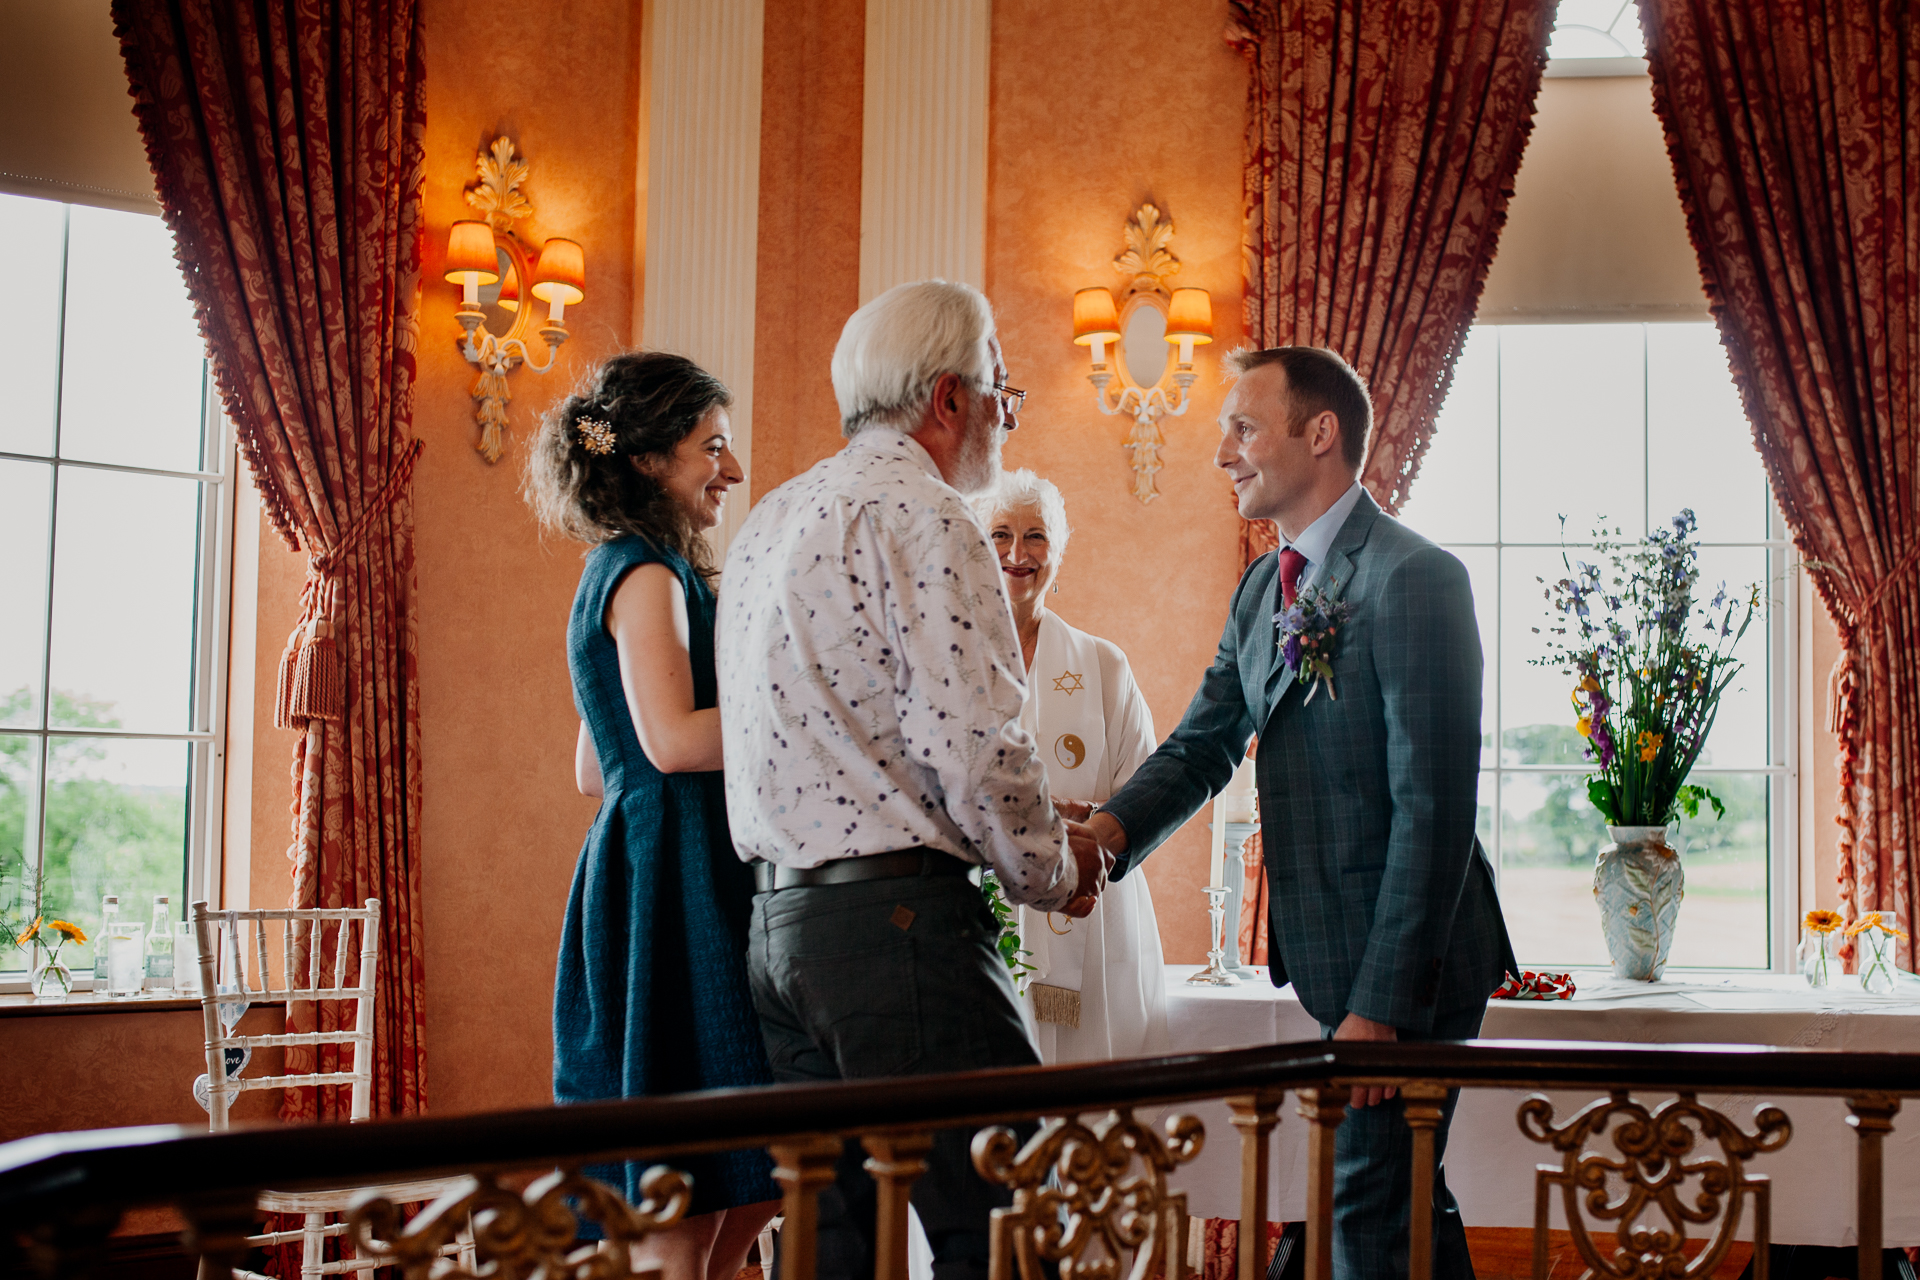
x: 33, y: 931
x: 1585, y: 726
x: 74, y: 932
x: 1871, y: 920
x: 1650, y: 744
x: 1589, y: 685
x: 1821, y: 921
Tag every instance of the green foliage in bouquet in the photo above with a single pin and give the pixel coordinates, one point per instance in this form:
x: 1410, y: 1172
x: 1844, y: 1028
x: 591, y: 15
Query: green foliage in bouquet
x: 1008, y: 919
x: 1649, y: 666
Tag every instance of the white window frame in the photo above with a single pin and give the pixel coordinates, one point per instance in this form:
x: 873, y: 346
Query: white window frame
x: 1783, y: 711
x: 207, y: 723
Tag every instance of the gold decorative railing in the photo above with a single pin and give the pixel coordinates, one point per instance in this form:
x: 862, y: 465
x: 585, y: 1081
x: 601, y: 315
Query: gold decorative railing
x: 1094, y: 1191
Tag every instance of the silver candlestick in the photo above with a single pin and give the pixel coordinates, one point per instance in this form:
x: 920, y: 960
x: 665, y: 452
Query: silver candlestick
x: 1216, y: 974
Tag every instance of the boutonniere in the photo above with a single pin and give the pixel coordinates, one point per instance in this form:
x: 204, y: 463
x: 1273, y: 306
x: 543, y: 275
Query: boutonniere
x: 1309, y: 637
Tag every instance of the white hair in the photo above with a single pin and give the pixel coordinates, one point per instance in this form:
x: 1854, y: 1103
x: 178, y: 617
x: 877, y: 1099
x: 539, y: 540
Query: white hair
x: 896, y: 347
x: 1022, y: 488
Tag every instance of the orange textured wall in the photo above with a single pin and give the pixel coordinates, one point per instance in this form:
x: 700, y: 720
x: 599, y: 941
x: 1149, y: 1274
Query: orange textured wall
x: 502, y: 822
x: 809, y: 258
x: 1097, y: 107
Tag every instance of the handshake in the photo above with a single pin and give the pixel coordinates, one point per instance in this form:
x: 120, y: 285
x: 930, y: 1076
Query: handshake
x: 1095, y: 840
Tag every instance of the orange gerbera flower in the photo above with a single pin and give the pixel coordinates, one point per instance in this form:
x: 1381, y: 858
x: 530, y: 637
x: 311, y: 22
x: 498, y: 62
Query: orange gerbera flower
x: 33, y: 931
x: 74, y: 932
x: 1822, y: 921
x: 1871, y: 920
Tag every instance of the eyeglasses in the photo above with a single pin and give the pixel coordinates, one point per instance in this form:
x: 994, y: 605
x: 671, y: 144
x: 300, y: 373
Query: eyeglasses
x: 1011, y: 398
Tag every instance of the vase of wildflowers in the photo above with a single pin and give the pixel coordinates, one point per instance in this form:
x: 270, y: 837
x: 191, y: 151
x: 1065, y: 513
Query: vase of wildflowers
x: 1648, y: 666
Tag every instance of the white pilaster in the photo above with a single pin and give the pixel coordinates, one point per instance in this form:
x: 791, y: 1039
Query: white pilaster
x: 923, y: 169
x: 700, y: 226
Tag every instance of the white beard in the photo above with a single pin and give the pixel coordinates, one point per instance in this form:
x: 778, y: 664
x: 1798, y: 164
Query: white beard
x: 977, y: 468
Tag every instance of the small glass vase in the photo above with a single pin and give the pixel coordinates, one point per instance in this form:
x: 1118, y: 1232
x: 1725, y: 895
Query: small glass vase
x: 1816, y: 957
x: 1876, y: 969
x: 52, y: 982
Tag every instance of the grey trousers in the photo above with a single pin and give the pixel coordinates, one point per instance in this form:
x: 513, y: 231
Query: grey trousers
x: 1373, y: 1181
x: 889, y: 978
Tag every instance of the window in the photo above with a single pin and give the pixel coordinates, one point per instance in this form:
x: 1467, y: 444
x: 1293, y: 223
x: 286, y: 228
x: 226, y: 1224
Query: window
x: 115, y: 515
x: 1596, y: 29
x: 1619, y: 425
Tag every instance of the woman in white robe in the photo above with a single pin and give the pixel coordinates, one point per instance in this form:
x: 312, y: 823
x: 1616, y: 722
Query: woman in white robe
x: 1097, y: 991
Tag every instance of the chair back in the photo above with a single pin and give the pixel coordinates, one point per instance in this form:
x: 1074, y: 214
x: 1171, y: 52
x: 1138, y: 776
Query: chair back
x: 235, y: 956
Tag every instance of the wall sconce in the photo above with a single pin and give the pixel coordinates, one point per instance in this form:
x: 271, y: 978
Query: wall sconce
x: 1140, y: 327
x: 489, y: 262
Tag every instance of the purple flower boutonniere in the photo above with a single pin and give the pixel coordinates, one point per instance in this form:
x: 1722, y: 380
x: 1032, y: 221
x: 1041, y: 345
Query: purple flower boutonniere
x: 1309, y: 637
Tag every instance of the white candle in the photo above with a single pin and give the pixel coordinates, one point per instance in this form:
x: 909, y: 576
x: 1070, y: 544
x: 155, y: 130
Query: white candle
x: 1217, y: 858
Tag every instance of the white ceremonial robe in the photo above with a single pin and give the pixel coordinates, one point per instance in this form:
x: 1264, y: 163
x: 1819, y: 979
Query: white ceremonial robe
x: 1093, y: 729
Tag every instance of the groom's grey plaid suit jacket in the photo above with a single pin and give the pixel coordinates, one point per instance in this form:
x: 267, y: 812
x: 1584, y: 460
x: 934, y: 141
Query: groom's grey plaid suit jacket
x: 1381, y: 899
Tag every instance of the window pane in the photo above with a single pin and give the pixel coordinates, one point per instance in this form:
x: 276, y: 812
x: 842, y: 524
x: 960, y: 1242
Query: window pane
x: 116, y: 823
x: 123, y: 601
x: 1702, y: 448
x: 19, y: 800
x: 1450, y: 497
x: 34, y: 231
x: 1549, y: 836
x: 1740, y: 737
x: 1723, y: 919
x: 1482, y: 567
x: 1572, y: 430
x: 1536, y: 708
x: 25, y: 490
x: 134, y: 363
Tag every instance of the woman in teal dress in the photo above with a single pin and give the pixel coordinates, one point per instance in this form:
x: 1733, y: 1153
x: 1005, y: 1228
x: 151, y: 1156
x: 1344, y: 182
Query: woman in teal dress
x: 651, y: 993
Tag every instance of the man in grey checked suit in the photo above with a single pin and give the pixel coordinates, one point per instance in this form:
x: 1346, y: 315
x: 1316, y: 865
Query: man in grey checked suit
x: 1383, y: 912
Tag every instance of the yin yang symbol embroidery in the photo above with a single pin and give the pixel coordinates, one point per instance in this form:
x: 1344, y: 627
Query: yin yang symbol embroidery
x: 1069, y: 750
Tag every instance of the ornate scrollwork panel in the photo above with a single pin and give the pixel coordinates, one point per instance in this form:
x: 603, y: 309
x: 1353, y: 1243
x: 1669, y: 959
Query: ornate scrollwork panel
x: 1656, y: 1175
x: 516, y: 1236
x: 1084, y: 1197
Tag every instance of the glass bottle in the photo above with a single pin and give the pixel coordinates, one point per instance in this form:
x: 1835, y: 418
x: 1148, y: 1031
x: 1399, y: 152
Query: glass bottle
x: 109, y: 912
x: 125, y: 954
x: 160, y: 946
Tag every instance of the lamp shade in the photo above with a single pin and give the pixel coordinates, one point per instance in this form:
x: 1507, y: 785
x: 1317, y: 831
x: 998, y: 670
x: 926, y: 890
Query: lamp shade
x: 1094, y: 317
x: 510, y: 290
x: 561, y: 275
x: 1190, y: 315
x: 470, y: 249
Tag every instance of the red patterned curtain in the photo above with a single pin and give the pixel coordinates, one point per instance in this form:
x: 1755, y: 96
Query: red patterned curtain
x: 1794, y: 129
x: 1382, y: 140
x: 287, y: 140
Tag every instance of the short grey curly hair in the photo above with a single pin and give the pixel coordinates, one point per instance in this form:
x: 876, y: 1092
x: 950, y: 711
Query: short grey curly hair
x: 895, y: 348
x: 1022, y: 488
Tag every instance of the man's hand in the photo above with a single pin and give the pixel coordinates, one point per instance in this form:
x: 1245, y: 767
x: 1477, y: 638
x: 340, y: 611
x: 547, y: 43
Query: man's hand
x: 1355, y: 1027
x: 1072, y: 810
x: 1094, y: 863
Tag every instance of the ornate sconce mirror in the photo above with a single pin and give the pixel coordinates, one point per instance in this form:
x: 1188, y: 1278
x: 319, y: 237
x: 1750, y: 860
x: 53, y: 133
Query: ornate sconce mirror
x: 500, y: 278
x: 1153, y: 381
x: 1144, y: 361
x: 500, y: 301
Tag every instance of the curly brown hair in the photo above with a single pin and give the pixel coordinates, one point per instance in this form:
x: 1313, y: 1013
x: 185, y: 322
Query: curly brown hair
x: 651, y: 400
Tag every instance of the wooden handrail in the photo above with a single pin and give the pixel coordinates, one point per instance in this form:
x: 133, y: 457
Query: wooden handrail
x: 48, y: 1176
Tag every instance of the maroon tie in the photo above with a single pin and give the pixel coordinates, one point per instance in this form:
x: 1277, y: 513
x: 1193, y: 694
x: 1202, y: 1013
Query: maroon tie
x: 1291, y: 563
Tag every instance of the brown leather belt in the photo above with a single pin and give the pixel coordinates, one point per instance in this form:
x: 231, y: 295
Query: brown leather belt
x: 768, y: 878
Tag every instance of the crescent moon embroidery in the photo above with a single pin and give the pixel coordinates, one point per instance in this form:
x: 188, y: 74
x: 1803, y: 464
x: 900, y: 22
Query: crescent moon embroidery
x: 1069, y: 750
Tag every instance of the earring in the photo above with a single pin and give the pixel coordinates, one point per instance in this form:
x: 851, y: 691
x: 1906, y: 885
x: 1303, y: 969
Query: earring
x: 1056, y: 588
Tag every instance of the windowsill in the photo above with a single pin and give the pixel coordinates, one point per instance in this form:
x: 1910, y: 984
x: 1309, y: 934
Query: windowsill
x: 21, y: 1004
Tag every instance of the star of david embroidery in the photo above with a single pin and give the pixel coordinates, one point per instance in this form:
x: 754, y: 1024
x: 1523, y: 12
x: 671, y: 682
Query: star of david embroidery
x: 1068, y: 682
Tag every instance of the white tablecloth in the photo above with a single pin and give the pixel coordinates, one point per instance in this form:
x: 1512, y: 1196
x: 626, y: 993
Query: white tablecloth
x: 1490, y: 1163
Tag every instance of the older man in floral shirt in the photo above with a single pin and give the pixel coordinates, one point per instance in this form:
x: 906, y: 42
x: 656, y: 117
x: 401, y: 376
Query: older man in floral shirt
x: 870, y: 692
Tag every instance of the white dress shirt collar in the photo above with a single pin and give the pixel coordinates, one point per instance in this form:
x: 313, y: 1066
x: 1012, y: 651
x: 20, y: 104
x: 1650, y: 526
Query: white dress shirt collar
x: 888, y: 439
x: 1316, y: 543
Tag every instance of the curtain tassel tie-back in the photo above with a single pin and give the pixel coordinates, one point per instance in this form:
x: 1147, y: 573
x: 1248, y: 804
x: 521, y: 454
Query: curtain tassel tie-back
x: 312, y: 682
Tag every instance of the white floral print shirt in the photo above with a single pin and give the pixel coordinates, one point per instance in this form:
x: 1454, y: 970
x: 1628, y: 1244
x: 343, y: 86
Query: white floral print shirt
x: 871, y: 681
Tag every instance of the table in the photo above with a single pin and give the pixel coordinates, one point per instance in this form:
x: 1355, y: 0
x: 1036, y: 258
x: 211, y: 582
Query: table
x: 1490, y: 1163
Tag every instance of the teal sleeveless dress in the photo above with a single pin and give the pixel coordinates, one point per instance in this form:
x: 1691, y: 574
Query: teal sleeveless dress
x: 651, y: 994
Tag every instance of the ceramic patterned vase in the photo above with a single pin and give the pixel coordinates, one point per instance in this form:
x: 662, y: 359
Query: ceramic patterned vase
x: 1638, y: 882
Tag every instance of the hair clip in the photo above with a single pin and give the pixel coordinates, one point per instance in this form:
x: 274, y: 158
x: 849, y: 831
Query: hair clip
x: 596, y: 436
